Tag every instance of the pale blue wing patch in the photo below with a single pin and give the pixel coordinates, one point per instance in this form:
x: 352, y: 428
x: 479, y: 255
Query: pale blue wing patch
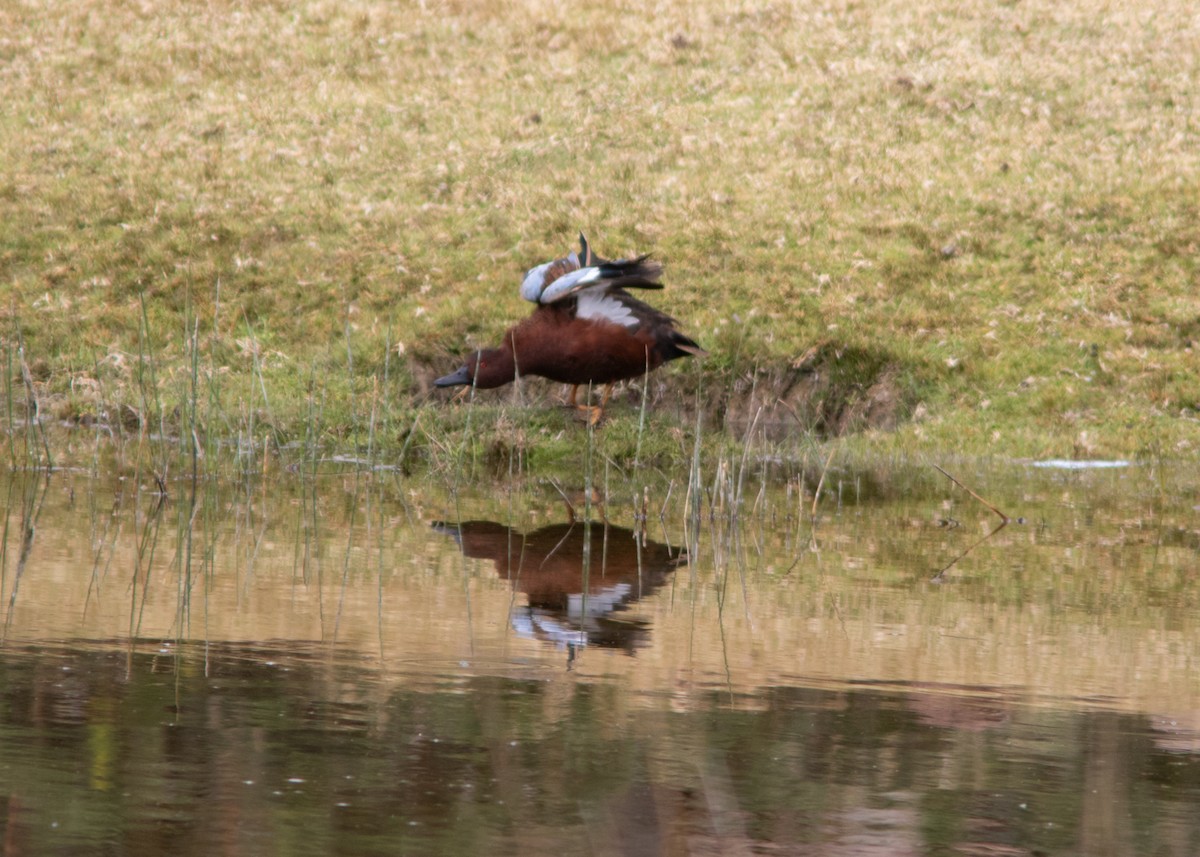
x: 568, y: 284
x: 535, y: 280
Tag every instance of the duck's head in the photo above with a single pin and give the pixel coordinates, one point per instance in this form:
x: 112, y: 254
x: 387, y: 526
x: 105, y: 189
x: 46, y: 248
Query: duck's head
x: 485, y: 369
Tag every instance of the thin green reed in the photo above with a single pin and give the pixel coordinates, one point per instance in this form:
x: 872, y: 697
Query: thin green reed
x: 412, y: 433
x: 252, y: 428
x: 637, y: 454
x: 371, y: 424
x: 747, y: 442
x: 195, y: 504
x: 308, y: 454
x: 189, y: 459
x: 114, y: 427
x: 8, y: 395
x: 147, y: 379
x: 247, y: 430
x: 33, y: 407
x: 467, y: 440
x: 191, y: 409
x: 350, y: 386
x: 211, y: 439
x: 387, y: 406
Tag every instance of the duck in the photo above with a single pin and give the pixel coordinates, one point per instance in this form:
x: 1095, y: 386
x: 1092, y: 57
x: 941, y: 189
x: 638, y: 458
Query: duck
x: 586, y: 329
x: 560, y: 576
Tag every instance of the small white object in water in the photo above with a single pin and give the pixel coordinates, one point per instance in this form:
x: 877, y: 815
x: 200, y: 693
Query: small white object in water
x: 1065, y: 464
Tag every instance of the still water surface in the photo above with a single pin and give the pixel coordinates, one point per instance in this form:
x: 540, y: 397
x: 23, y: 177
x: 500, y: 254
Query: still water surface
x: 354, y: 664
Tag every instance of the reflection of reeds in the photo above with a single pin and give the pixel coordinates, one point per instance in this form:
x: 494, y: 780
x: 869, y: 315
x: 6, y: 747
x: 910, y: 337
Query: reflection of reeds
x: 103, y: 547
x: 33, y: 496
x: 185, y: 520
x: 143, y: 564
x: 349, y: 552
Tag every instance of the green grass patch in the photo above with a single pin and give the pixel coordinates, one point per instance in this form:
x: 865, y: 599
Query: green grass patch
x: 986, y: 215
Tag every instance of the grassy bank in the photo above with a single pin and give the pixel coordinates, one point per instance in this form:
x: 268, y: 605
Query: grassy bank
x: 925, y: 225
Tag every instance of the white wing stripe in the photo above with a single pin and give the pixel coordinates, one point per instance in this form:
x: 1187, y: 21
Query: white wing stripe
x: 599, y: 305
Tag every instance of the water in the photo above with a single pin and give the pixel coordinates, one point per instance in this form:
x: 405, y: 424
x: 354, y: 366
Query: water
x: 370, y: 665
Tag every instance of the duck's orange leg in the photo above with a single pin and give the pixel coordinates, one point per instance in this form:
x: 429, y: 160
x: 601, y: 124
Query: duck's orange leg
x: 570, y: 403
x: 596, y: 412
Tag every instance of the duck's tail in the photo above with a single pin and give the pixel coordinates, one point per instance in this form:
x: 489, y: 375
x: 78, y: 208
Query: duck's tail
x: 684, y: 346
x: 637, y: 273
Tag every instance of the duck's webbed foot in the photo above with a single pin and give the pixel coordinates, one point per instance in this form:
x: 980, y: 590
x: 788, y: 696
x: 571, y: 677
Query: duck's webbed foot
x: 594, y: 413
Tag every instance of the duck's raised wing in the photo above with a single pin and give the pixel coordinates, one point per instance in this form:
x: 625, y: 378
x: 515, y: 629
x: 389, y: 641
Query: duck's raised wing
x: 552, y: 281
x: 638, y: 273
x: 538, y: 278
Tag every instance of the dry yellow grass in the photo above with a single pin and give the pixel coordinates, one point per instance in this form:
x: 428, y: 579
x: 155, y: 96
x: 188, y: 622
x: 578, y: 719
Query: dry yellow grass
x: 998, y: 204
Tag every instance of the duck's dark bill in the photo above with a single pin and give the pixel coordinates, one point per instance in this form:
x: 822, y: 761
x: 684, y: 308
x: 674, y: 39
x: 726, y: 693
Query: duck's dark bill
x: 447, y: 529
x: 462, y: 376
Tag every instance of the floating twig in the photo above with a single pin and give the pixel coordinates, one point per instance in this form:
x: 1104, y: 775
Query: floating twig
x: 1003, y: 517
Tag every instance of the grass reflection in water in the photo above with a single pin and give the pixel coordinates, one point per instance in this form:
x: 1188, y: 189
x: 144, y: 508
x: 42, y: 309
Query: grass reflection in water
x: 339, y: 673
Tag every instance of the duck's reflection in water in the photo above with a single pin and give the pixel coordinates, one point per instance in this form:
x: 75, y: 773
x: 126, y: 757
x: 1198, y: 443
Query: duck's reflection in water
x: 571, y: 602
